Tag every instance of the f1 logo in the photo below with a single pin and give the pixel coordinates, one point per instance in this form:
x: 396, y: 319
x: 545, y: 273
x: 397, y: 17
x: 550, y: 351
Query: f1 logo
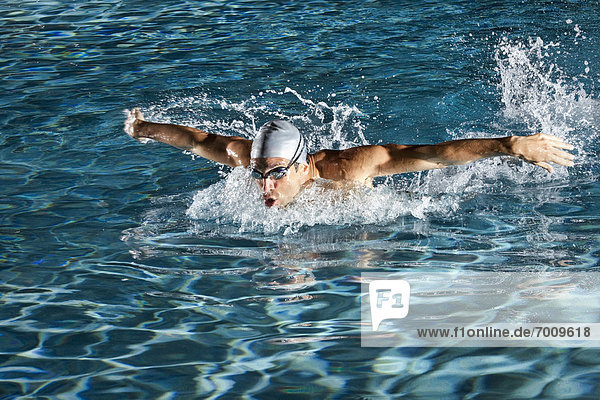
x: 389, y: 299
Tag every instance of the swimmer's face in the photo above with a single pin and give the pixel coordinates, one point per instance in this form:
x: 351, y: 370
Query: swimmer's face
x: 278, y: 192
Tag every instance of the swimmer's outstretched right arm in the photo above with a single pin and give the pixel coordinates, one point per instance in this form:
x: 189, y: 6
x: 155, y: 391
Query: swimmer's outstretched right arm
x: 229, y: 150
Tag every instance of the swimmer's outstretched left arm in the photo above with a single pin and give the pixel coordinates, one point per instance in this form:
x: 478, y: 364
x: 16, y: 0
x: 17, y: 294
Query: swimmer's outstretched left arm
x: 369, y: 161
x: 539, y: 149
x: 229, y: 150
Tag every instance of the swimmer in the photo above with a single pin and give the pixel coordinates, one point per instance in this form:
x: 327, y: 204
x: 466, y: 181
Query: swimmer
x: 282, y: 167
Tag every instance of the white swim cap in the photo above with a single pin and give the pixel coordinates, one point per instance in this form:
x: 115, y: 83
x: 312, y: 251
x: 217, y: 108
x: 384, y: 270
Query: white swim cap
x: 279, y: 139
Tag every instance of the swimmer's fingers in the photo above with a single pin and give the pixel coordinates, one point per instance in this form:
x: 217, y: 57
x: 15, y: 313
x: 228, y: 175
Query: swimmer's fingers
x: 544, y: 165
x: 562, y: 157
x: 551, y: 141
x: 557, y: 142
x: 138, y: 114
x: 542, y: 149
x: 129, y: 120
x: 555, y: 156
x: 552, y: 138
x: 131, y: 117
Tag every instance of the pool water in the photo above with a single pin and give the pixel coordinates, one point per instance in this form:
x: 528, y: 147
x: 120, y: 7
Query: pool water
x: 139, y: 271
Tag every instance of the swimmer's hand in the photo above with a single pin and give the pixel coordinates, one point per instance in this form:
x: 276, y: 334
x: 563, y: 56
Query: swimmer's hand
x: 132, y: 121
x: 541, y: 150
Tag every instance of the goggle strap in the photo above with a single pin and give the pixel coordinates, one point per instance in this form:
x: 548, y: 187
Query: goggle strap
x: 297, y: 154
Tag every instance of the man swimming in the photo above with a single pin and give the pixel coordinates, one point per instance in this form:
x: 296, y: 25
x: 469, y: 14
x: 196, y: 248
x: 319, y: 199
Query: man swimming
x: 282, y: 167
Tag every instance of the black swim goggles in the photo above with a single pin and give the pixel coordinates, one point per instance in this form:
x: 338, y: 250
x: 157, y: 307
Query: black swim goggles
x: 279, y: 172
x: 275, y: 173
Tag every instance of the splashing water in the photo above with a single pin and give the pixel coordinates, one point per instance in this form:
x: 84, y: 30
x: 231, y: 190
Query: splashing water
x: 536, y: 92
x: 325, y: 126
x: 236, y: 200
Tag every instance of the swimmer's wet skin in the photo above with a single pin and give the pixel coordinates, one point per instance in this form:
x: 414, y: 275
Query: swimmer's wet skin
x: 282, y: 167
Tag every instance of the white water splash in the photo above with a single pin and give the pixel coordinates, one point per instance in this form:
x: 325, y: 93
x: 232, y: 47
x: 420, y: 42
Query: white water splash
x: 343, y: 130
x: 336, y: 126
x: 535, y: 91
x: 236, y: 201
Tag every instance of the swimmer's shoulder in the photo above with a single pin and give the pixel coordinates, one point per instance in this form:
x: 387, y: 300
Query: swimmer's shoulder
x: 323, y: 164
x: 339, y: 165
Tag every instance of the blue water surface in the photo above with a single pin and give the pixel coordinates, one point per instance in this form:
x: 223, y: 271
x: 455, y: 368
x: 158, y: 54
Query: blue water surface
x: 138, y: 271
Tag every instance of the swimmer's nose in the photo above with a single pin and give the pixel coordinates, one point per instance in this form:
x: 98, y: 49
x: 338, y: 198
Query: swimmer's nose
x: 267, y: 185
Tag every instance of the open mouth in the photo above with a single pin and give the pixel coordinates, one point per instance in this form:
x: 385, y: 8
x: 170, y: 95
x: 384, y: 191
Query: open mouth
x: 270, y: 202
